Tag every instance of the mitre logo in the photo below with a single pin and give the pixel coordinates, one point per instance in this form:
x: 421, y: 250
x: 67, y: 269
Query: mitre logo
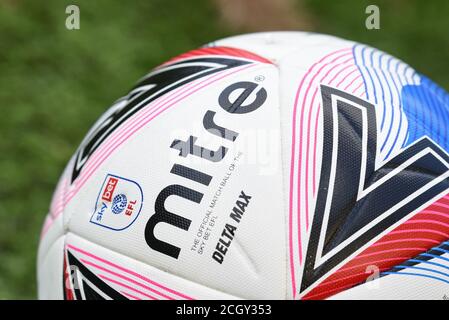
x: 241, y: 104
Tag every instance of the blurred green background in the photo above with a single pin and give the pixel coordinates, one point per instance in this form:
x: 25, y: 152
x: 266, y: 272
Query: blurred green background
x: 54, y: 82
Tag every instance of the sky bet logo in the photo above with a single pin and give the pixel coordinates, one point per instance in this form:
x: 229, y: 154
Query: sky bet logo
x: 109, y: 189
x: 119, y: 203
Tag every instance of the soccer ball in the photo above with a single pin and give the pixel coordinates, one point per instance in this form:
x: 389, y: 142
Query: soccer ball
x: 281, y: 165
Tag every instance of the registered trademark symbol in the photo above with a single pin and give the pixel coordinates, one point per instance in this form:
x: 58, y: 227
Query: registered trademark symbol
x: 259, y: 78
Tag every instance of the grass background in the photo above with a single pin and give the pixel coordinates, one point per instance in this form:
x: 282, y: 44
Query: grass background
x: 54, y: 83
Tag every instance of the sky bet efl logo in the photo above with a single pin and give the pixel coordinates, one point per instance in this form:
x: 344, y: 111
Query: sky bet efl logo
x: 119, y: 203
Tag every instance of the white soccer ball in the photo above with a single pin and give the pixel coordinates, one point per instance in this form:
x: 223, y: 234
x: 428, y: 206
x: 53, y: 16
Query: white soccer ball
x: 281, y: 165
